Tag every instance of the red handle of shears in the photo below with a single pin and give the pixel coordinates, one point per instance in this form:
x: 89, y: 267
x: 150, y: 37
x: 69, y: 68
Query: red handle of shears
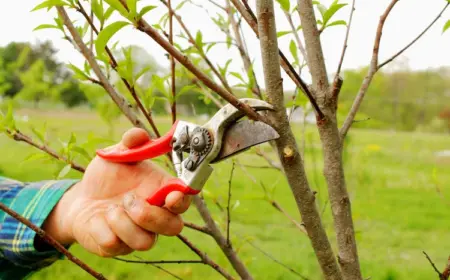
x: 148, y: 150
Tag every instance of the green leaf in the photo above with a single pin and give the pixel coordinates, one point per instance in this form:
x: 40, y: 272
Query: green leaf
x: 285, y: 5
x: 49, y: 4
x: 210, y: 45
x: 199, y: 39
x: 108, y: 13
x: 106, y: 34
x: 239, y: 76
x: 64, y: 171
x: 337, y: 22
x: 78, y: 72
x: 185, y: 89
x: 38, y: 134
x: 97, y: 8
x: 82, y: 152
x: 118, y: 7
x: 331, y: 11
x: 35, y: 156
x: 322, y: 9
x: 145, y: 10
x: 446, y: 26
x: 282, y: 33
x: 45, y: 26
x: 132, y: 7
x: 179, y: 6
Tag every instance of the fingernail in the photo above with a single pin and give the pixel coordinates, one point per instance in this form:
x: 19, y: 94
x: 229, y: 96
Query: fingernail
x: 129, y: 201
x: 179, y: 202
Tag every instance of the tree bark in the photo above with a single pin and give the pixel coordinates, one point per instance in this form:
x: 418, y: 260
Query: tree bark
x: 332, y: 148
x: 286, y: 145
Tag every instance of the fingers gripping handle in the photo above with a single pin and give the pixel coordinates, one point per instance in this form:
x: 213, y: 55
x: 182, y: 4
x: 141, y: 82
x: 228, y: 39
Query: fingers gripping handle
x: 150, y: 149
x: 159, y: 197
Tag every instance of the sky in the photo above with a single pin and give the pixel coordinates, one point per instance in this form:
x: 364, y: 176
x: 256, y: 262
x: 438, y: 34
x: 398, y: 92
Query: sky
x: 406, y: 21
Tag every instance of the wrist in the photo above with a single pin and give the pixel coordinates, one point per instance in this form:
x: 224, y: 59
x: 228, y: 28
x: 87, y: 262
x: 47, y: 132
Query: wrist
x: 59, y: 223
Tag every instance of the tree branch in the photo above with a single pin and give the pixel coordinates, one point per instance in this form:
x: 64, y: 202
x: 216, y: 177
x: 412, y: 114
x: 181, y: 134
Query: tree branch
x: 252, y: 21
x: 19, y: 136
x: 344, y: 48
x: 160, y: 262
x: 205, y: 258
x: 198, y: 228
x: 414, y: 40
x: 51, y: 241
x: 286, y: 145
x: 226, y: 247
x: 373, y: 68
x: 89, y: 56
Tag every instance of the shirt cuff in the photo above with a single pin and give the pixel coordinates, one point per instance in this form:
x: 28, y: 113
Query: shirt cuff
x: 34, y: 201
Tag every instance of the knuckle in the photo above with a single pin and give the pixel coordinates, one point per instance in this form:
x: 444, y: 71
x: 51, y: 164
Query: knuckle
x: 110, y: 243
x: 143, y: 217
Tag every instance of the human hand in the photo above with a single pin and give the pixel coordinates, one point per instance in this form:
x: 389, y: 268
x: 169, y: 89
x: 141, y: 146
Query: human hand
x: 107, y: 212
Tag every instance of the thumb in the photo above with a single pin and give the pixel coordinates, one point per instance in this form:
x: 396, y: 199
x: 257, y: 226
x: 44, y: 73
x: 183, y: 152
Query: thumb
x: 134, y: 137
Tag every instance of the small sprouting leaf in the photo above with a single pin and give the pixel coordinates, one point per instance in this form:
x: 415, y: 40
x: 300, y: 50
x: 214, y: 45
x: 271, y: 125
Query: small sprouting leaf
x: 199, y: 39
x: 145, y: 10
x: 228, y: 42
x: 118, y: 7
x: 223, y: 71
x: 446, y: 26
x: 322, y: 9
x: 282, y: 33
x: 337, y: 22
x: 108, y: 13
x: 78, y: 72
x: 64, y: 171
x: 210, y: 45
x: 48, y: 4
x: 185, y: 89
x: 237, y: 75
x: 293, y: 50
x: 35, y: 156
x: 331, y: 11
x: 179, y: 6
x: 285, y: 5
x: 8, y: 120
x: 105, y: 35
x: 142, y: 72
x: 38, y: 134
x: 97, y: 8
x: 45, y: 26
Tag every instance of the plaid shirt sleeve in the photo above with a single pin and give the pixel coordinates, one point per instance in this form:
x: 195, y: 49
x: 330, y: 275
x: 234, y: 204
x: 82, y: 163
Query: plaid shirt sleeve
x: 34, y: 201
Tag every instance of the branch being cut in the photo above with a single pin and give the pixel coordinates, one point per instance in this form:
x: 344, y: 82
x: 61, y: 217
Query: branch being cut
x: 51, y: 241
x: 286, y: 145
x: 114, y: 65
x: 252, y: 21
x: 205, y: 258
x: 19, y: 136
x: 374, y: 66
x: 89, y: 56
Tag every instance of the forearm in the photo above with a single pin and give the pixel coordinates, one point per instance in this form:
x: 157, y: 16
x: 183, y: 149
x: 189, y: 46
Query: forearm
x: 36, y: 202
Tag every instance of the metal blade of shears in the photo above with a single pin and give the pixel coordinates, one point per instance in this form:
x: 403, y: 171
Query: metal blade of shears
x: 243, y: 135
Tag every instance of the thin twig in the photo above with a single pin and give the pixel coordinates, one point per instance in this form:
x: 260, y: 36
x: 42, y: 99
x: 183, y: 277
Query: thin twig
x: 166, y: 271
x: 344, y: 48
x: 19, y: 136
x: 297, y: 38
x: 205, y: 258
x: 276, y: 260
x: 228, y: 204
x: 432, y: 264
x: 373, y: 68
x: 47, y: 238
x: 442, y: 275
x: 160, y: 262
x: 198, y: 228
x: 272, y: 163
x: 414, y: 40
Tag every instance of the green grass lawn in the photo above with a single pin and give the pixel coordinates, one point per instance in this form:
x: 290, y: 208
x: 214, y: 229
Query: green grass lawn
x: 392, y: 179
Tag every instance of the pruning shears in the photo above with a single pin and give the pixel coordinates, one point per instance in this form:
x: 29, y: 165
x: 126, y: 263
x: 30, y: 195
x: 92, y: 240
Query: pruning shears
x: 195, y: 147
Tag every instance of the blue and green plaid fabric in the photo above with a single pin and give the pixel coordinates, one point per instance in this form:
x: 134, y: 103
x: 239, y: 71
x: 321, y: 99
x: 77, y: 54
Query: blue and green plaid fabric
x: 34, y: 201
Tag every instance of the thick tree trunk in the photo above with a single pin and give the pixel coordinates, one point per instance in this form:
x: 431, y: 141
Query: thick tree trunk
x: 286, y: 145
